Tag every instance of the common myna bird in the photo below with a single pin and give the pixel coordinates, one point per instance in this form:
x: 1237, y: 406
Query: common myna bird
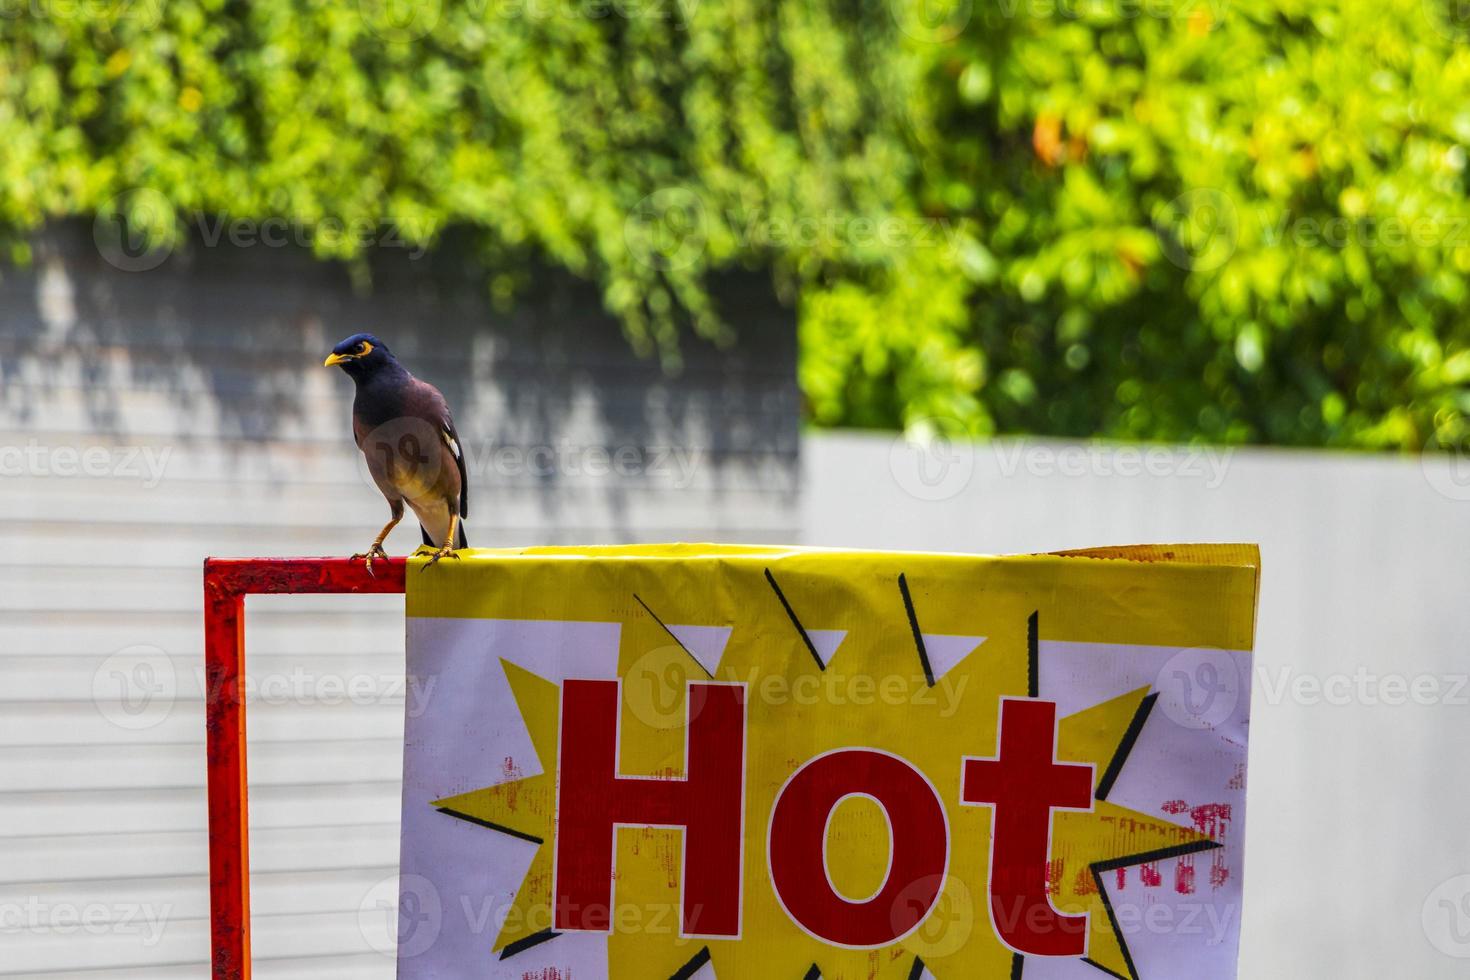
x: 403, y: 427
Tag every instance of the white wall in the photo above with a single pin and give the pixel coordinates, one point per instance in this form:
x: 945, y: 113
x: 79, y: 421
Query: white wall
x: 1358, y: 810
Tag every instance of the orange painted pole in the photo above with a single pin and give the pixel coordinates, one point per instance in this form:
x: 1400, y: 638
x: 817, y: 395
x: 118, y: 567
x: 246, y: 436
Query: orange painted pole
x: 226, y: 584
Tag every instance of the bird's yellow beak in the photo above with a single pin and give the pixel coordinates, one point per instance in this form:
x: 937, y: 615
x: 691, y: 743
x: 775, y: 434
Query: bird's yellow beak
x: 336, y: 359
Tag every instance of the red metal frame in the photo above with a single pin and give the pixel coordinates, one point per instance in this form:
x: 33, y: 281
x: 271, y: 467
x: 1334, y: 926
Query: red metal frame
x: 227, y: 581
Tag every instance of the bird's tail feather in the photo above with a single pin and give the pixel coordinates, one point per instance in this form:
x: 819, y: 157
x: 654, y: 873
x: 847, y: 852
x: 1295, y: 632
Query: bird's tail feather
x: 463, y: 541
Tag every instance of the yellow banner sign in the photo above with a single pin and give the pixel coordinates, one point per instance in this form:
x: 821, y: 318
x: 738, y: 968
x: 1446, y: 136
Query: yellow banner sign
x: 745, y: 762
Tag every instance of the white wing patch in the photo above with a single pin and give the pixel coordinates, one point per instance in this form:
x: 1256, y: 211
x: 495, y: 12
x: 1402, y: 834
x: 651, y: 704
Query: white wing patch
x: 449, y: 441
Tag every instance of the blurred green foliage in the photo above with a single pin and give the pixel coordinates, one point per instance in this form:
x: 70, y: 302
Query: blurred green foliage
x: 1233, y: 220
x: 638, y: 143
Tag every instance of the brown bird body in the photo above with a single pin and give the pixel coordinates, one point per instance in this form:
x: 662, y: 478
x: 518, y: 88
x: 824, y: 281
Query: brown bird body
x: 406, y: 433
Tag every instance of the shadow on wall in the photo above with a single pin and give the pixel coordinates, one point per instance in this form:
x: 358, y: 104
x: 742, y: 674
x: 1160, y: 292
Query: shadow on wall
x: 220, y: 347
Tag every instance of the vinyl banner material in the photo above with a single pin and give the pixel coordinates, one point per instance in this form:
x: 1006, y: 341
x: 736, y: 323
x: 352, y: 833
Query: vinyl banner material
x: 760, y: 763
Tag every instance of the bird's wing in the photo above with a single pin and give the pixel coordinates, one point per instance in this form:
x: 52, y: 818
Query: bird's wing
x: 451, y: 439
x: 435, y: 407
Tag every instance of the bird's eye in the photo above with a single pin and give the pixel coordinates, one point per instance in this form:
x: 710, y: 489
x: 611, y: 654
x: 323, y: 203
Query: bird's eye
x: 362, y: 348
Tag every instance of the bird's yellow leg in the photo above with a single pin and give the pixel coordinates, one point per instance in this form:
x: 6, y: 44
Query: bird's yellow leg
x: 376, y: 550
x: 448, y: 550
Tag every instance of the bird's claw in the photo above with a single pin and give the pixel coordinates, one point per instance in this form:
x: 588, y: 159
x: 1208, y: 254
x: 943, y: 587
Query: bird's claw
x: 444, y: 552
x: 371, y: 555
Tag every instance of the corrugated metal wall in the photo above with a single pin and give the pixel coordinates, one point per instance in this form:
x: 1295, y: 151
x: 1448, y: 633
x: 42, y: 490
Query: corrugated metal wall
x: 150, y: 418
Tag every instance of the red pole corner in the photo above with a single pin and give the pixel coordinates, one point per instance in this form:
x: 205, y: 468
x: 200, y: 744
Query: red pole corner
x: 226, y: 584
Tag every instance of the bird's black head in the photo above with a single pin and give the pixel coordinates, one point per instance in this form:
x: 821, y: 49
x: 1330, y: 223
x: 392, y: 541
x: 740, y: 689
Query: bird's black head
x: 362, y: 355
